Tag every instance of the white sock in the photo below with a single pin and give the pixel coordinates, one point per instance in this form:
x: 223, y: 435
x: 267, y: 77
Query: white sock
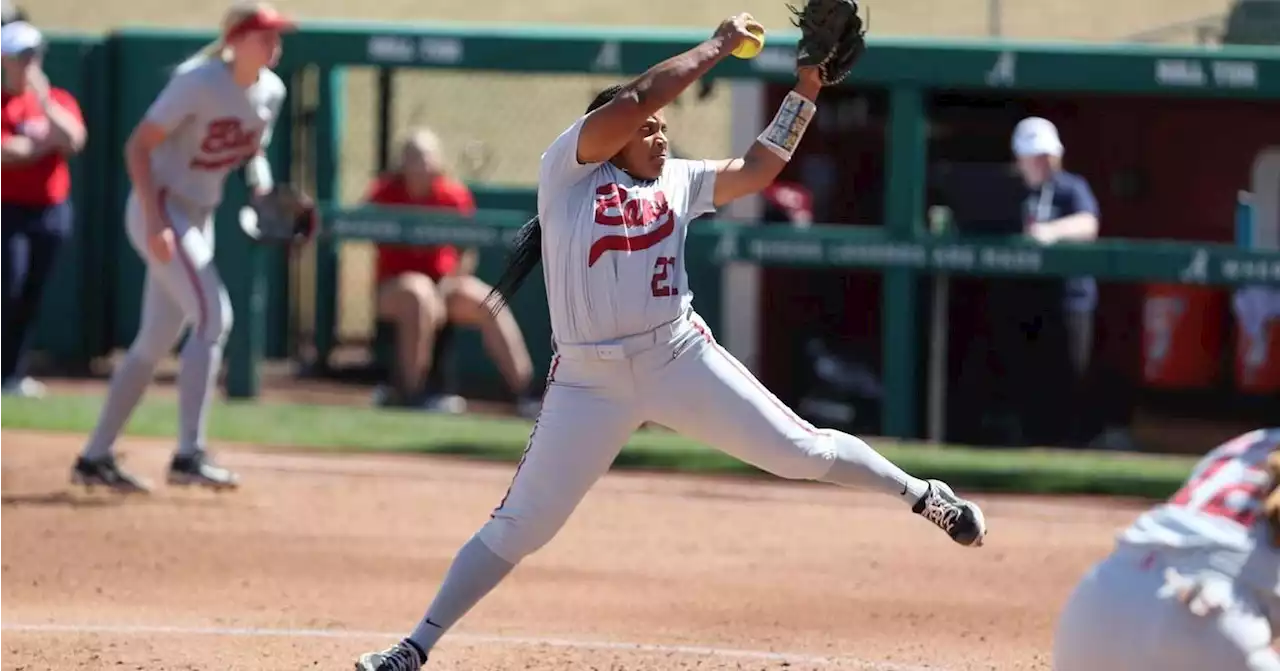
x: 128, y: 383
x: 196, y: 380
x: 474, y: 573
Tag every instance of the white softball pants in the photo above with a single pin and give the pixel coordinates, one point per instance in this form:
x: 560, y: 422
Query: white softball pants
x: 676, y: 376
x: 1121, y: 617
x: 187, y: 291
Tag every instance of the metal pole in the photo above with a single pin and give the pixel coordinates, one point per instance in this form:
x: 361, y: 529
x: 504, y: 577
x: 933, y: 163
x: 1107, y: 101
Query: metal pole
x: 993, y: 18
x: 938, y: 320
x: 384, y: 118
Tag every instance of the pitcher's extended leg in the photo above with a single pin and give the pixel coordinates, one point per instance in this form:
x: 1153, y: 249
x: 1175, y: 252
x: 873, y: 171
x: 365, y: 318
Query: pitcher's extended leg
x: 735, y: 413
x: 574, y: 440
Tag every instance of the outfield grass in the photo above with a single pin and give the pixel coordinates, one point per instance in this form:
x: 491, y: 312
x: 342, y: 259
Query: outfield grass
x: 343, y: 428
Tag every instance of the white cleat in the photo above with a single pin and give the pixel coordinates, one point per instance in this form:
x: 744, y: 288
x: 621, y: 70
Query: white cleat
x: 196, y: 469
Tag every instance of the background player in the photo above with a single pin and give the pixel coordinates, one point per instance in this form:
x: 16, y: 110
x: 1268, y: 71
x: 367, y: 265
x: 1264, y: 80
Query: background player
x: 1193, y: 584
x: 613, y: 211
x: 215, y: 114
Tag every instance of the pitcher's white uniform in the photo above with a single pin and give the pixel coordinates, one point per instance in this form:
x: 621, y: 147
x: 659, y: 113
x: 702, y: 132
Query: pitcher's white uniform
x: 1124, y: 615
x: 630, y: 349
x: 213, y: 127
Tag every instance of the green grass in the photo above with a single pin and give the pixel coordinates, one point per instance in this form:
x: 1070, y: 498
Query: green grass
x: 358, y: 429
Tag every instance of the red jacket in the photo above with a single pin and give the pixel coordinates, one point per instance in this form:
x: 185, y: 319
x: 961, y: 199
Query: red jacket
x: 47, y: 181
x: 433, y: 261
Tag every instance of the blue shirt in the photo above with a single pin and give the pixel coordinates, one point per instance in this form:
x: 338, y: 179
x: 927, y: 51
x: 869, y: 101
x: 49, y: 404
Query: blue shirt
x: 1063, y: 195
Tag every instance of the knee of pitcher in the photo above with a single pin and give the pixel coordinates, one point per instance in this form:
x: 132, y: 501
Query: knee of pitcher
x: 514, y: 538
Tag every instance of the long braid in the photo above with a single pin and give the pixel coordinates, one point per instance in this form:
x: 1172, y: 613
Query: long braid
x: 526, y: 253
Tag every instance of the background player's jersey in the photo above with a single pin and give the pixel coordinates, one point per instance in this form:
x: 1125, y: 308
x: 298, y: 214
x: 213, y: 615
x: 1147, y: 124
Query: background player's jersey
x: 613, y: 246
x: 213, y: 126
x: 1219, y: 509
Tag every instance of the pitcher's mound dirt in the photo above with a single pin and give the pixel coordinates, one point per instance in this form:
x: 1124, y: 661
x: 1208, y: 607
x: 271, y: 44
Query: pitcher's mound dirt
x: 321, y: 557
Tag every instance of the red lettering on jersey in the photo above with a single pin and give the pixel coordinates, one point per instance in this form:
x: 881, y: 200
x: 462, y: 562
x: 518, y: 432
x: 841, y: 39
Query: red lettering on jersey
x: 1211, y: 491
x: 226, y: 143
x: 608, y: 197
x: 630, y: 213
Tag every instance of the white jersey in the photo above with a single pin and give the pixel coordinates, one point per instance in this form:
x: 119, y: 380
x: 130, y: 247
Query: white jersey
x: 1219, y: 510
x: 612, y: 246
x: 213, y: 127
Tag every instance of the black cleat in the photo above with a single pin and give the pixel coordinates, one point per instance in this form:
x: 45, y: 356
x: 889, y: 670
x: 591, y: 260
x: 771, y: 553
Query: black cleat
x: 961, y: 519
x: 197, y: 469
x: 105, y: 472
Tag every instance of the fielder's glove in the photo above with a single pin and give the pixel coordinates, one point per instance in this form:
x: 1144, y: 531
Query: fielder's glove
x: 831, y: 37
x: 1271, y: 504
x: 284, y: 216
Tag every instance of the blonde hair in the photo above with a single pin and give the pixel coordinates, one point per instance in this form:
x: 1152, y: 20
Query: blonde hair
x: 237, y: 12
x: 424, y: 141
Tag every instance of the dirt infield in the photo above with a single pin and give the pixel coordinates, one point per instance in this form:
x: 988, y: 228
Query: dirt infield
x: 320, y: 557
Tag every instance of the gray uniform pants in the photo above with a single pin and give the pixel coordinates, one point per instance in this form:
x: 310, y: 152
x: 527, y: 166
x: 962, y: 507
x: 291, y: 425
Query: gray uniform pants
x: 185, y: 292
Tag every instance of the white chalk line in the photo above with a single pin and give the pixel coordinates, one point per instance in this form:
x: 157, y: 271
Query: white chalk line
x: 460, y: 637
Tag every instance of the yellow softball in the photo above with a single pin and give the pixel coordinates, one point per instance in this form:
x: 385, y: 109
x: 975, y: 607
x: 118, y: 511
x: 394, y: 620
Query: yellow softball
x: 751, y: 48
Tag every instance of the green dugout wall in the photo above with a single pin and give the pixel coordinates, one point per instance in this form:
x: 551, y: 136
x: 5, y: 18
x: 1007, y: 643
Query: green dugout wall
x: 139, y: 62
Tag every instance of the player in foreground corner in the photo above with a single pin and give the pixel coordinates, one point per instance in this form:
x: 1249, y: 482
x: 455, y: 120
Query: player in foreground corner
x: 1194, y: 583
x: 214, y: 115
x: 613, y: 211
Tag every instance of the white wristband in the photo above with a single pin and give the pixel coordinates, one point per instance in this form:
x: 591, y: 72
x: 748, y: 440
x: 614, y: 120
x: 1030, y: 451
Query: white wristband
x: 782, y: 136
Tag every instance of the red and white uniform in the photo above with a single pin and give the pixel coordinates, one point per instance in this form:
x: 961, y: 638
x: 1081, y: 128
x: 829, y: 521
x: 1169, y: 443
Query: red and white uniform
x: 630, y: 349
x: 1124, y: 614
x: 214, y: 127
x: 612, y: 246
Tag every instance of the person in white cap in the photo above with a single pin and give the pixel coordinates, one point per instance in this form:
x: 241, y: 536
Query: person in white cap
x: 10, y: 13
x: 1045, y: 327
x: 214, y: 116
x: 42, y: 129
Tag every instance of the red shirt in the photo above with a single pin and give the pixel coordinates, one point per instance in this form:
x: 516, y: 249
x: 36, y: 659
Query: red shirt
x: 434, y: 261
x: 47, y: 181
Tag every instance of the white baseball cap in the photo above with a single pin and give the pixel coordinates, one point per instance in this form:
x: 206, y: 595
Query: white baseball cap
x: 1035, y: 136
x: 18, y: 37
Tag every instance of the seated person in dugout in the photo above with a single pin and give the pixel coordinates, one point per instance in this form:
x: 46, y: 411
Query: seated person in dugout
x: 422, y: 288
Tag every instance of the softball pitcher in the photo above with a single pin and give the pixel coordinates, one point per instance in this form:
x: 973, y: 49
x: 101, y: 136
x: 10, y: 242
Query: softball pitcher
x: 613, y: 215
x: 215, y: 115
x: 1194, y: 583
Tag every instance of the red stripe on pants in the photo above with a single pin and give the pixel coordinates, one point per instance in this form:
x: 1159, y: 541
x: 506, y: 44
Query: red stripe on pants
x: 187, y: 265
x: 747, y: 374
x: 551, y: 377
